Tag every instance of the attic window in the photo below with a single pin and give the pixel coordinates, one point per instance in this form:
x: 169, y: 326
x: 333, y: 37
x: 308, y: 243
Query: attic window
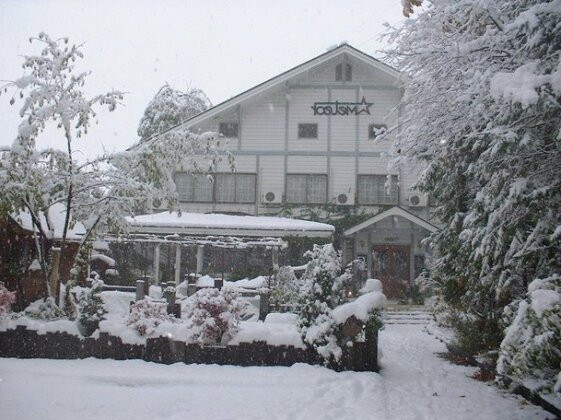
x: 343, y: 71
x: 228, y: 129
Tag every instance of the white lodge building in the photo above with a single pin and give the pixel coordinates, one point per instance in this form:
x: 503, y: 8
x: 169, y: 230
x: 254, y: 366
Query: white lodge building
x: 308, y: 138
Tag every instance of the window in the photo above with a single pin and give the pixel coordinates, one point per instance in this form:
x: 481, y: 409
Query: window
x: 228, y: 129
x: 306, y: 189
x: 343, y: 71
x: 193, y: 189
x: 375, y: 130
x: 226, y: 188
x: 235, y: 188
x: 372, y: 189
x: 307, y: 131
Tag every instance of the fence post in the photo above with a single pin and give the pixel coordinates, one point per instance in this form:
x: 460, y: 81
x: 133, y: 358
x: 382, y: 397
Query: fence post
x: 191, y: 285
x: 263, y: 304
x: 139, y: 290
x: 169, y: 295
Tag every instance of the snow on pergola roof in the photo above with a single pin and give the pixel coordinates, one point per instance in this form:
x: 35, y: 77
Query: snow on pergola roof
x: 226, y: 225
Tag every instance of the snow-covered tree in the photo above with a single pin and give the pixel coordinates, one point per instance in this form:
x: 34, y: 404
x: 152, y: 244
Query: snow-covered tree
x: 97, y: 192
x: 286, y: 288
x: 324, y: 288
x: 90, y: 305
x: 482, y: 109
x: 169, y: 107
x: 531, y: 348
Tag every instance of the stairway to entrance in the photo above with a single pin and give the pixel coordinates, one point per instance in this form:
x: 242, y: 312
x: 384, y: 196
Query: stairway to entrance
x: 406, y: 314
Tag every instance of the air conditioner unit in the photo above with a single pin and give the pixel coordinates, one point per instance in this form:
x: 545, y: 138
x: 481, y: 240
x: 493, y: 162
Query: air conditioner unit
x: 272, y: 197
x: 417, y: 199
x: 345, y: 198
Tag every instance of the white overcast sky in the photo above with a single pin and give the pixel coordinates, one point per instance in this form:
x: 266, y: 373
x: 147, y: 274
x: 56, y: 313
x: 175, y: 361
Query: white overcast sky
x: 223, y: 47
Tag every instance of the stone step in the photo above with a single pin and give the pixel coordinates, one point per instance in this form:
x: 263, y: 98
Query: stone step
x: 424, y: 323
x: 406, y: 315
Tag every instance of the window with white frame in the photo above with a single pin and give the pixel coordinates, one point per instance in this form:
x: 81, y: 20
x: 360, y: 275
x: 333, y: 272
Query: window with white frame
x: 226, y: 188
x: 193, y: 189
x: 377, y: 189
x: 306, y: 188
x: 235, y: 188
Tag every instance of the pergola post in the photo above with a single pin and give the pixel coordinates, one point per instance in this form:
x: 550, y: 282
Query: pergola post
x: 275, y: 258
x: 177, y: 264
x: 156, y: 265
x: 200, y: 258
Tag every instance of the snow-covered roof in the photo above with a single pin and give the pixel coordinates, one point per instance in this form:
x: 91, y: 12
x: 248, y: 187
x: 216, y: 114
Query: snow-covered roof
x: 223, y: 224
x: 55, y: 224
x: 394, y: 211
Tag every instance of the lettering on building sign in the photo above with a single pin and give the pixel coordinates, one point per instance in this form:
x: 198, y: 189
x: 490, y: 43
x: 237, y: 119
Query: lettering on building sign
x: 390, y: 239
x: 342, y: 108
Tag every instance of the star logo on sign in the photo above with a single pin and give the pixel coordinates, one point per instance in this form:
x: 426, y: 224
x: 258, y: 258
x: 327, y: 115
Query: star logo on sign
x: 363, y: 107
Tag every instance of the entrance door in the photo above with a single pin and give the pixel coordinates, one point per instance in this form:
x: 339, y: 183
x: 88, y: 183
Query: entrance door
x: 390, y: 265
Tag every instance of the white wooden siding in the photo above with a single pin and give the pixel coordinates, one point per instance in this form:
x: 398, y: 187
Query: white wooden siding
x: 373, y: 165
x: 263, y: 124
x: 307, y: 165
x: 300, y: 111
x: 343, y: 127
x: 271, y: 175
x: 369, y: 75
x: 342, y: 178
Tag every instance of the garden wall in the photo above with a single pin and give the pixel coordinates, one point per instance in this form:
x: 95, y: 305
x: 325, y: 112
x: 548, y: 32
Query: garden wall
x: 24, y: 344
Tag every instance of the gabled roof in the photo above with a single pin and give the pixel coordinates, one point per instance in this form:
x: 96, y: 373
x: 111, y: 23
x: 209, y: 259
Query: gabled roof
x: 394, y: 211
x: 286, y: 76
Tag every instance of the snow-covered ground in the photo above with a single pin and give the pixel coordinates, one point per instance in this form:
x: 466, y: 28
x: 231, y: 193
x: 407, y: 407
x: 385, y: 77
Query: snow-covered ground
x: 413, y: 384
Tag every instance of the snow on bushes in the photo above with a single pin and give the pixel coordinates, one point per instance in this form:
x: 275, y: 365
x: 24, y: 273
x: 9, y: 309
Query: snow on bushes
x: 362, y: 307
x: 90, y: 306
x: 6, y: 299
x: 324, y: 290
x: 286, y: 289
x: 45, y: 309
x: 531, y: 348
x: 215, y: 315
x: 146, y: 314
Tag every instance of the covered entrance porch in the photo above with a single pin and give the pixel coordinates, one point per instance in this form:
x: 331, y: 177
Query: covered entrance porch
x: 390, y: 244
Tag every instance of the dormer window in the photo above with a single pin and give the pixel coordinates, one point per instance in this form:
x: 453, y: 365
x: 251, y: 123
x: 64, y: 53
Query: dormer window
x: 343, y: 72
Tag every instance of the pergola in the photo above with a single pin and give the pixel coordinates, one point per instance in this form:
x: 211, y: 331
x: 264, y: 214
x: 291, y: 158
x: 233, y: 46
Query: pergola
x: 216, y: 230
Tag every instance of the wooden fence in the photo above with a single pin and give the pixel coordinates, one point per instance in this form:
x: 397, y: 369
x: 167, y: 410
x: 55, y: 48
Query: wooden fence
x: 23, y: 343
